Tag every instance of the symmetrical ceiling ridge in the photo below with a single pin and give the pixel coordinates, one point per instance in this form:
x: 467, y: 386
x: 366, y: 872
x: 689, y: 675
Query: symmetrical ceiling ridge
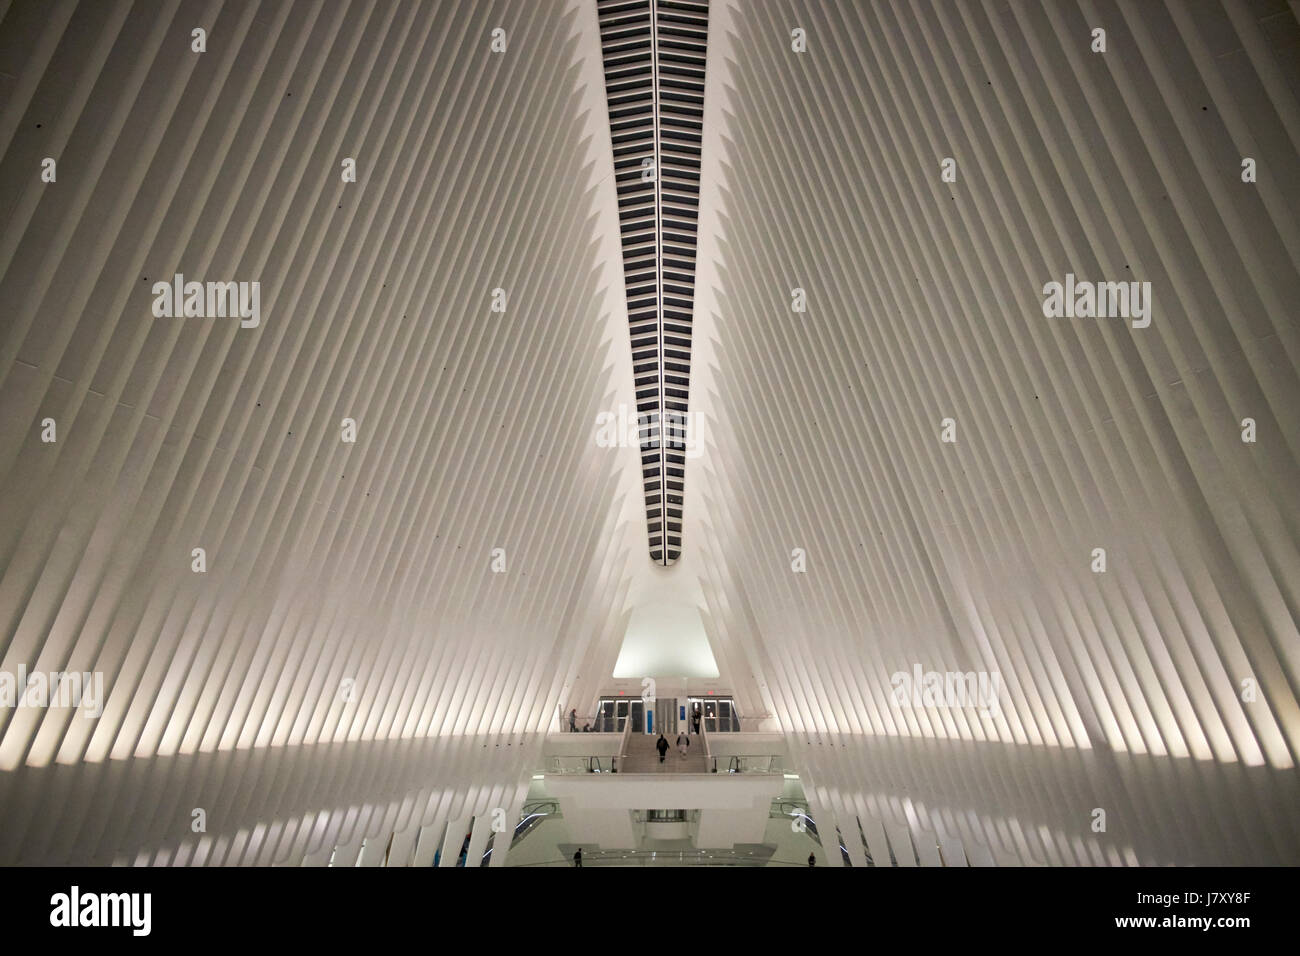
x: 654, y: 58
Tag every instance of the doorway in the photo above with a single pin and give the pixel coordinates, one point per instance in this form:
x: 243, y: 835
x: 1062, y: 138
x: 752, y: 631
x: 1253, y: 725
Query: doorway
x: 666, y: 716
x: 613, y: 713
x: 718, y: 713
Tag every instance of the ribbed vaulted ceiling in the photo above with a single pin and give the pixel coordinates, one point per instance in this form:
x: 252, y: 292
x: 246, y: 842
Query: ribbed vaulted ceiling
x: 357, y: 650
x: 384, y: 629
x: 1123, y: 689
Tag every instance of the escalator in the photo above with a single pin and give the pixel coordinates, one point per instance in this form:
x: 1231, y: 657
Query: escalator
x: 796, y: 811
x: 531, y: 815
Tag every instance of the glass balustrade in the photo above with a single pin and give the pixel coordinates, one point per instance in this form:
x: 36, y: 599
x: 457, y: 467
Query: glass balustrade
x: 746, y: 763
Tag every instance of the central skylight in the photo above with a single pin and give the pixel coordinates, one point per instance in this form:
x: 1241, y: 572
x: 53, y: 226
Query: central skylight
x: 654, y: 55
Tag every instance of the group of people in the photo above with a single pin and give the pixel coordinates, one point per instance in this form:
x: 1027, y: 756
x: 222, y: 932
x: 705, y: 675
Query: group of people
x: 573, y: 723
x: 683, y: 740
x: 661, y: 745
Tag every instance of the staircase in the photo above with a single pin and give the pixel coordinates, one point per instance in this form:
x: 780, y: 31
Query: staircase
x: 641, y: 756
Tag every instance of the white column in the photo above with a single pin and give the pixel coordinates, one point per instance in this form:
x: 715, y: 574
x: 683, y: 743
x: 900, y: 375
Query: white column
x: 501, y: 845
x: 346, y: 855
x: 451, y: 843
x: 403, y: 846
x: 426, y: 845
x: 900, y: 838
x: 478, y: 841
x: 849, y: 831
x: 320, y: 858
x: 372, y: 854
x: 821, y: 810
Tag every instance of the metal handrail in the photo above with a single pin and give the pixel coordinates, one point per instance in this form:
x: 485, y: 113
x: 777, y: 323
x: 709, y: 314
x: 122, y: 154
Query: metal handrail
x: 577, y: 721
x: 790, y: 808
x: 565, y: 764
x: 548, y: 805
x: 526, y: 825
x: 735, y: 762
x: 530, y: 815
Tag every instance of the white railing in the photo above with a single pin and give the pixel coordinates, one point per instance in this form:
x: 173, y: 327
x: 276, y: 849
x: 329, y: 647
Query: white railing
x: 623, y: 745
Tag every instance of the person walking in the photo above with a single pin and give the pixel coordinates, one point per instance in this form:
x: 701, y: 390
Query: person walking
x: 695, y: 718
x: 812, y: 859
x: 573, y: 720
x: 577, y: 857
x: 661, y: 745
x: 683, y: 741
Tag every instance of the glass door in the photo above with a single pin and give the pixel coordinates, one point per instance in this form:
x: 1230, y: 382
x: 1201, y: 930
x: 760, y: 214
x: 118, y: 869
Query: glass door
x: 605, y: 720
x: 717, y: 714
x: 638, y: 716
